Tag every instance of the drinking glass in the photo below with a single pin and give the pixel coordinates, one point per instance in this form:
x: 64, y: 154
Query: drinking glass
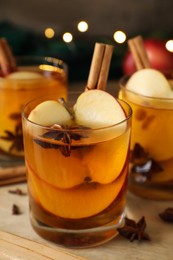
x: 15, y: 93
x: 77, y: 178
x: 151, y: 168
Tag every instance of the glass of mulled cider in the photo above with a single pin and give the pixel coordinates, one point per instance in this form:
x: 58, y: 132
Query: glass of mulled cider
x: 151, y: 171
x: 76, y: 174
x: 34, y: 77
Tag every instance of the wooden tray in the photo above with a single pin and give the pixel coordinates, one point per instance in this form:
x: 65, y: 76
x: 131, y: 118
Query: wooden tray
x: 15, y: 247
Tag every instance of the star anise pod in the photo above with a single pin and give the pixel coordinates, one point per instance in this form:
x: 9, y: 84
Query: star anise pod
x: 138, y: 154
x: 134, y: 230
x: 16, y: 137
x: 15, y: 116
x: 64, y: 134
x: 143, y: 166
x: 167, y: 215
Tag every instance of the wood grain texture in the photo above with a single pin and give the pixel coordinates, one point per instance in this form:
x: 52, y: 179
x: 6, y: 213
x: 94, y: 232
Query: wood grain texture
x: 161, y: 233
x: 16, y: 247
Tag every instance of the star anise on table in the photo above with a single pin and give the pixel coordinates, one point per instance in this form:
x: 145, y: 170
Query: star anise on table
x: 167, y: 215
x: 143, y: 166
x: 64, y: 134
x: 134, y: 230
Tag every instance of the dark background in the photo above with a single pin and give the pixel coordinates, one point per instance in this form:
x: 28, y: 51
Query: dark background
x: 23, y: 24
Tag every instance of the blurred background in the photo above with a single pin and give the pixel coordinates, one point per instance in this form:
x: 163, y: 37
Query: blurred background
x: 39, y: 28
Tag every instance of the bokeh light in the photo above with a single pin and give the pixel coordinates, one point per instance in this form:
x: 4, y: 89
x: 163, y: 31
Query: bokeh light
x: 119, y: 36
x: 82, y: 26
x: 49, y: 33
x: 67, y: 37
x: 169, y: 45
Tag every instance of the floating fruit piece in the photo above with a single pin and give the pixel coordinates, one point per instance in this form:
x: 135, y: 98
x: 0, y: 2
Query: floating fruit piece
x: 113, y: 154
x: 66, y: 172
x: 80, y: 202
x: 149, y: 82
x: 97, y: 108
x: 24, y: 75
x: 49, y: 113
x: 154, y: 133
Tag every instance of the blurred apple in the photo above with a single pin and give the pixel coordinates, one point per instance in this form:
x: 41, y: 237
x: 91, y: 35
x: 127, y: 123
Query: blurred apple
x: 160, y: 58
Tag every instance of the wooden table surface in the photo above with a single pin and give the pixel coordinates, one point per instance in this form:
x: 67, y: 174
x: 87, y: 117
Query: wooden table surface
x: 161, y: 233
x: 160, y: 247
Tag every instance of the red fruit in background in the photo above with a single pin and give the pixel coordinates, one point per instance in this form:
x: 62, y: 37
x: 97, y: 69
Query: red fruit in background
x: 160, y: 58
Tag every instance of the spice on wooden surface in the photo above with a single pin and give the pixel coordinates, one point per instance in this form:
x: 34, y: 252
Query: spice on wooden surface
x: 134, y: 230
x: 167, y: 215
x: 15, y: 210
x: 18, y: 192
x: 143, y: 166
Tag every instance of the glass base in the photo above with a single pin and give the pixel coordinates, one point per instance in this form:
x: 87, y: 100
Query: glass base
x: 150, y: 191
x: 83, y: 238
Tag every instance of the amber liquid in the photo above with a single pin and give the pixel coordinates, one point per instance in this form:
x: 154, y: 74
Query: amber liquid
x: 72, y: 195
x: 14, y: 94
x: 152, y: 128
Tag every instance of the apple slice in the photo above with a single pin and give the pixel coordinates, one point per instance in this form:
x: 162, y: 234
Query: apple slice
x: 49, y: 113
x: 23, y: 75
x: 18, y: 75
x: 97, y: 108
x: 149, y: 82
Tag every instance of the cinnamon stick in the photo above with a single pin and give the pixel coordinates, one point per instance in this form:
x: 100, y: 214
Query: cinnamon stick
x: 7, y: 61
x: 12, y: 181
x: 12, y: 175
x: 95, y: 65
x: 100, y: 64
x: 103, y: 76
x: 139, y: 53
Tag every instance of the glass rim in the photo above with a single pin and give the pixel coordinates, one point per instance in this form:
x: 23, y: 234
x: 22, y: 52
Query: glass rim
x: 56, y: 62
x: 38, y: 57
x: 128, y: 116
x: 122, y: 86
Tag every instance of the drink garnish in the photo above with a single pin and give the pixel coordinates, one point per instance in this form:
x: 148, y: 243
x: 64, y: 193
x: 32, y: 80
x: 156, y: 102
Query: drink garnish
x: 99, y: 69
x: 146, y: 80
x: 7, y: 61
x: 17, y: 192
x: 139, y: 53
x: 143, y: 166
x: 64, y: 134
x: 16, y: 137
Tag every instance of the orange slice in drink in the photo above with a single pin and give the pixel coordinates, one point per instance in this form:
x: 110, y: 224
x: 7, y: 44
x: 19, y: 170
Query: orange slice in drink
x: 80, y: 202
x: 106, y: 160
x: 154, y: 133
x: 56, y: 169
